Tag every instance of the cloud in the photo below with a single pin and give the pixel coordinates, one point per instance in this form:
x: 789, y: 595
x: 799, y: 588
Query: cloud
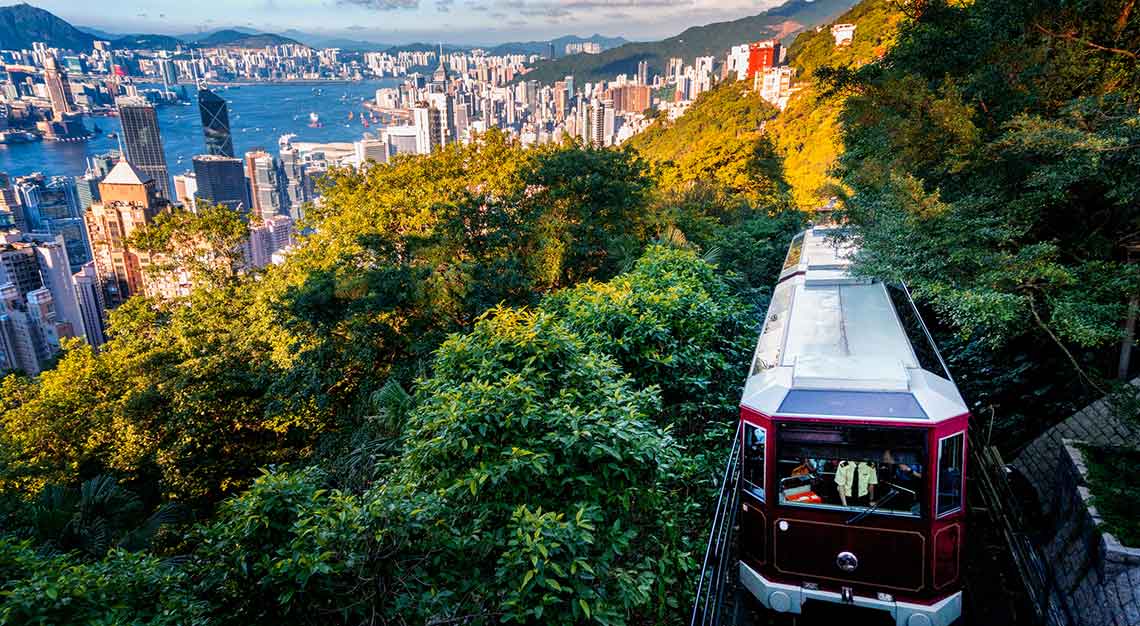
x: 553, y: 9
x: 444, y: 6
x: 383, y: 5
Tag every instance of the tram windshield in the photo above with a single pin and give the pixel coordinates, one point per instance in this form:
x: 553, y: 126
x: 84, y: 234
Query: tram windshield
x: 855, y: 468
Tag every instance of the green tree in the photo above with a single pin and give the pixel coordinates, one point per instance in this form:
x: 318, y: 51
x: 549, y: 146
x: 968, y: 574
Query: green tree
x: 999, y: 178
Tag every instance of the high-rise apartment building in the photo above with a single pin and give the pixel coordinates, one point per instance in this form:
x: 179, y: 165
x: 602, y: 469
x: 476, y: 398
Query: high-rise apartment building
x: 11, y: 210
x: 762, y: 55
x: 215, y: 123
x: 221, y: 180
x: 39, y: 301
x: 59, y: 91
x: 295, y: 191
x: 264, y: 183
x: 267, y: 237
x: 142, y: 142
x: 22, y: 345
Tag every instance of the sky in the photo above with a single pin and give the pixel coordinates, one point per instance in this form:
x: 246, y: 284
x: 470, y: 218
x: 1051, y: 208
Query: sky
x: 404, y: 21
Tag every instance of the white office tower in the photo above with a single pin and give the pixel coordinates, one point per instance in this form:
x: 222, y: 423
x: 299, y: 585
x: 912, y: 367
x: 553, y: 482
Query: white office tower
x: 429, y: 127
x: 55, y: 272
x: 89, y: 297
x: 444, y: 104
x: 401, y: 139
x: 370, y: 151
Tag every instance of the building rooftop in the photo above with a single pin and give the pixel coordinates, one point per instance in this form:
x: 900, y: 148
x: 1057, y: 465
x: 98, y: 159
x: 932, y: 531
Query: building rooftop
x: 126, y: 174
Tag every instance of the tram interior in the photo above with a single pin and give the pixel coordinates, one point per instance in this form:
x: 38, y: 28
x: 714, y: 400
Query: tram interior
x: 846, y: 467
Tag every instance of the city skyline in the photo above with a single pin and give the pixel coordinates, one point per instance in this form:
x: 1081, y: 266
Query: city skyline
x: 396, y: 22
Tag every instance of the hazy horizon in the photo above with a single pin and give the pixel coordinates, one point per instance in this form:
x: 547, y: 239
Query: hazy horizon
x: 470, y: 22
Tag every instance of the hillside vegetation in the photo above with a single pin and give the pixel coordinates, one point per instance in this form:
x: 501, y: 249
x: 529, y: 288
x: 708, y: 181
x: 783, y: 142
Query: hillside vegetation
x: 718, y: 141
x: 807, y: 134
x: 494, y: 384
x: 992, y: 160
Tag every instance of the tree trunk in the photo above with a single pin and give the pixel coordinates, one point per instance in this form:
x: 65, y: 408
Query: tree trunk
x: 1129, y: 336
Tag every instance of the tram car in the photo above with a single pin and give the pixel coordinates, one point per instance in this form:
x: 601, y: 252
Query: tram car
x: 854, y: 449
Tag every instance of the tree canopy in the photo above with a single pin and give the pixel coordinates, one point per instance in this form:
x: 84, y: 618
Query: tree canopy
x: 479, y: 389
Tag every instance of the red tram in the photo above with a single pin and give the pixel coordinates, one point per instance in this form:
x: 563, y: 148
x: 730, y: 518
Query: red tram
x: 854, y: 450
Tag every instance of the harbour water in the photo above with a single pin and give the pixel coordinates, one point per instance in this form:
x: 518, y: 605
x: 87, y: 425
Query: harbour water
x: 259, y: 115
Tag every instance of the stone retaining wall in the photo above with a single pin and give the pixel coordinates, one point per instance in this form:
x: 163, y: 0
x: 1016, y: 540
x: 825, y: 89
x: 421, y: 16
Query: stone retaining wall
x: 1096, y: 577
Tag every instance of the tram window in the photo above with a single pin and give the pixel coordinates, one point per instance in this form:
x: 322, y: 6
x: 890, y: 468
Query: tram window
x: 772, y: 337
x: 754, y: 444
x: 924, y: 348
x: 950, y: 460
x: 795, y: 251
x: 852, y: 468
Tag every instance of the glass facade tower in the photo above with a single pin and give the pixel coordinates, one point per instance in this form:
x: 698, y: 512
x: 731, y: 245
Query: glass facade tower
x: 215, y: 123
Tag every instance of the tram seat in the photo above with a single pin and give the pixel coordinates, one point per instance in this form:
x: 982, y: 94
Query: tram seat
x: 802, y: 494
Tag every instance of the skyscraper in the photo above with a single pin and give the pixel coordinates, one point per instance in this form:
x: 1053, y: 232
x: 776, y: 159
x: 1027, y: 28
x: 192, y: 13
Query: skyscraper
x: 59, y: 91
x: 11, y: 210
x: 294, y: 192
x: 142, y: 142
x: 221, y: 181
x: 264, y: 183
x: 129, y: 200
x: 429, y: 127
x: 39, y: 303
x: 445, y: 105
x: 90, y: 299
x: 643, y: 72
x: 215, y: 123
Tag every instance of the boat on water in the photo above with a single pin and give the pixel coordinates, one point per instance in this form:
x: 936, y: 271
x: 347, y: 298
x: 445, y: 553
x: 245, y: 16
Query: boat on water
x: 112, y: 136
x: 18, y: 136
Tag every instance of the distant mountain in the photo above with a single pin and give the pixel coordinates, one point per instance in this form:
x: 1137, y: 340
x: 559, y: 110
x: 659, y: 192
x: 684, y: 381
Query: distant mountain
x: 781, y: 22
x: 327, y: 41
x: 21, y: 24
x: 100, y: 33
x: 231, y: 38
x: 419, y: 46
x: 202, y: 34
x: 147, y: 42
x: 543, y: 47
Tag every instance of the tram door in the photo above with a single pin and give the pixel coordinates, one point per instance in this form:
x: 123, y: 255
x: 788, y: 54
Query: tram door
x: 753, y: 523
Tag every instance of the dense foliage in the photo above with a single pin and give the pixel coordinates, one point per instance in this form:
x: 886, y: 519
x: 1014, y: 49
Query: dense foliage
x: 807, y: 135
x: 717, y: 143
x: 1116, y: 490
x: 999, y: 177
x: 475, y: 392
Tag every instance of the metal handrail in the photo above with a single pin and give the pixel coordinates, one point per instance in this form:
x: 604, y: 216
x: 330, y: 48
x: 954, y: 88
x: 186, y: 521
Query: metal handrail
x: 711, y: 582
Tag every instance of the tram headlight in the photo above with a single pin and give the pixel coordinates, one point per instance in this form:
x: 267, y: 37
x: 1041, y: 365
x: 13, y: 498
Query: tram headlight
x: 885, y: 597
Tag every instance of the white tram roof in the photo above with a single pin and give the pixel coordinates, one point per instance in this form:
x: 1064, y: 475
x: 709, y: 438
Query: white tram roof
x: 834, y: 345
